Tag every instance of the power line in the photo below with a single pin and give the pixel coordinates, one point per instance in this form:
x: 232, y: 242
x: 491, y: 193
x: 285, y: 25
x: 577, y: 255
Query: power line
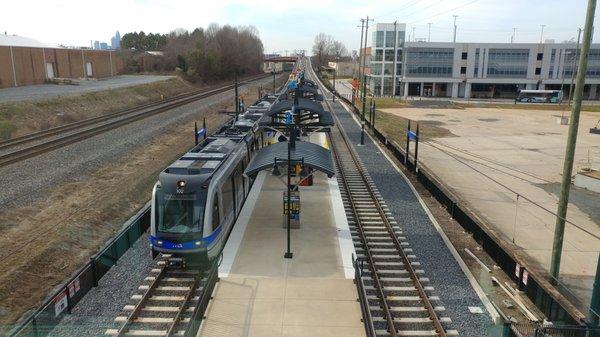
x: 511, y: 190
x: 444, y: 12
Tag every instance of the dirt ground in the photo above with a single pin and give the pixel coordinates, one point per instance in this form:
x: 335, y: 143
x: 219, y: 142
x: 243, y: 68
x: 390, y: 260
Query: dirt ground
x: 507, y: 164
x: 56, y: 236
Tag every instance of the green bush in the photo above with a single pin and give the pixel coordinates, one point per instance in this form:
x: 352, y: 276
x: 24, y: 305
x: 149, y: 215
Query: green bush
x: 6, y: 129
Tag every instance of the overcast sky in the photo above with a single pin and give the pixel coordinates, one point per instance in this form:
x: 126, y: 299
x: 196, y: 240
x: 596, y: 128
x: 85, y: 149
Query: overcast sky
x: 288, y: 25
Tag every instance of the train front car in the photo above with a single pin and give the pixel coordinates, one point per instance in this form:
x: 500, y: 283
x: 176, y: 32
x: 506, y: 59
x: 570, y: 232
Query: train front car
x: 178, y: 212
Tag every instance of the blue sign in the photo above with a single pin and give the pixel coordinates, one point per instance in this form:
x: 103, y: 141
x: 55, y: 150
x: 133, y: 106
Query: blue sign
x: 412, y: 135
x: 288, y: 117
x: 292, y: 85
x: 201, y: 132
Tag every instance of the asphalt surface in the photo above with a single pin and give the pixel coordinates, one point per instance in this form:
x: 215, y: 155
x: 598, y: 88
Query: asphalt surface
x: 439, y: 265
x: 27, y: 181
x: 47, y: 91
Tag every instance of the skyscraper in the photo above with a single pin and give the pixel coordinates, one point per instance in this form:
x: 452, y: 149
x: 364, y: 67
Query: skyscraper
x: 115, y: 41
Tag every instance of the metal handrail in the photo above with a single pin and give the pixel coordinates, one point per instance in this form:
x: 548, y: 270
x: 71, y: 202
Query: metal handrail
x: 362, y: 297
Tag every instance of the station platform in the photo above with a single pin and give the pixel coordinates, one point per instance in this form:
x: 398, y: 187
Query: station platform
x: 260, y: 293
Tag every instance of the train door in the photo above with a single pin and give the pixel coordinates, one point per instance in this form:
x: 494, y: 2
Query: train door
x: 228, y: 201
x: 239, y: 186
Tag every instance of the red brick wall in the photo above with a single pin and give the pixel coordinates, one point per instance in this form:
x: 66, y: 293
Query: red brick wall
x: 30, y: 65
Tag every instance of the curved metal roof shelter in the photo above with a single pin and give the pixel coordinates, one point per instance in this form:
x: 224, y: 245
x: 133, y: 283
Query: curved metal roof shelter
x: 311, y: 113
x: 306, y: 153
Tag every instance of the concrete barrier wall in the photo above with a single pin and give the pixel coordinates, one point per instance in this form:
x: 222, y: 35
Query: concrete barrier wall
x: 28, y: 65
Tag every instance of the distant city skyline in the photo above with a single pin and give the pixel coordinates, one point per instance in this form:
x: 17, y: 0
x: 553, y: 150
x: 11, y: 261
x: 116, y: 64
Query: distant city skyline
x: 277, y: 22
x: 115, y: 43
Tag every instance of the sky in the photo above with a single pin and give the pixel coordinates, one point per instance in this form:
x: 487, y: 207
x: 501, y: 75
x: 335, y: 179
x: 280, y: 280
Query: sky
x: 289, y: 25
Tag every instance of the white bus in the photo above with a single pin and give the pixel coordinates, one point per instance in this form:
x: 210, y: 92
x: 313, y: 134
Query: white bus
x: 539, y: 96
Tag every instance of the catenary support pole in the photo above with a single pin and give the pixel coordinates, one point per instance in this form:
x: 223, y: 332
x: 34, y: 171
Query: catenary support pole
x: 407, y: 144
x: 417, y: 148
x: 561, y: 214
x: 204, y: 127
x: 237, y: 102
x: 364, y: 108
x: 195, y: 133
x: 360, y: 53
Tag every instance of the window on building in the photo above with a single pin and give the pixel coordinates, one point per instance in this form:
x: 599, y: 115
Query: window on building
x: 379, y: 38
x: 538, y: 71
x: 399, y: 69
x: 401, y: 35
x: 508, y: 63
x: 476, y: 70
x: 389, y: 38
x: 540, y: 56
x: 388, y: 69
x: 399, y: 55
x: 376, y: 69
x: 389, y: 55
x: 378, y: 55
x: 552, y: 58
x: 464, y: 56
x: 463, y: 70
x: 429, y: 62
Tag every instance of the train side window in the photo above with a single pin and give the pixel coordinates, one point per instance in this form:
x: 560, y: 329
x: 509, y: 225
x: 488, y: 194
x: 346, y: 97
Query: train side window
x: 216, y: 219
x: 239, y: 186
x: 228, y: 195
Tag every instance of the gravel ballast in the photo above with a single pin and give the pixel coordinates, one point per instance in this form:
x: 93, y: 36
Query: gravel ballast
x: 97, y: 310
x: 26, y: 181
x: 446, y: 276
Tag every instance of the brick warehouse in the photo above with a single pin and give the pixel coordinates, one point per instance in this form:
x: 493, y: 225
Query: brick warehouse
x: 35, y: 65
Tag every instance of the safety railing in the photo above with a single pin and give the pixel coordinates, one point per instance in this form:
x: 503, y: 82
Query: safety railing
x: 60, y: 302
x: 207, y: 289
x: 362, y: 297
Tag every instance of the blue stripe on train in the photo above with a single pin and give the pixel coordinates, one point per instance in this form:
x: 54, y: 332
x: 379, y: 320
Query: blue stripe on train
x: 206, y: 242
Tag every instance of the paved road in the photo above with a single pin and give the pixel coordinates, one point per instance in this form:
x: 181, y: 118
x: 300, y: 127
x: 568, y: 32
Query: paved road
x: 46, y: 91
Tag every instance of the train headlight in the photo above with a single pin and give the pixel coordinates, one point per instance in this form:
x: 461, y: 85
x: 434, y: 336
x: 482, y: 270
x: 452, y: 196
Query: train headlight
x: 181, y: 184
x: 159, y: 243
x: 198, y: 243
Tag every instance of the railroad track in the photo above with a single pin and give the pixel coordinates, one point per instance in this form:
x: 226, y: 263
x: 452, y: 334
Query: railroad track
x: 395, y: 297
x: 50, y: 139
x: 167, y: 304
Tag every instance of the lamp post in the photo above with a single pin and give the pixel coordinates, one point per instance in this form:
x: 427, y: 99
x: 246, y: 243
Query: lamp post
x: 273, y: 73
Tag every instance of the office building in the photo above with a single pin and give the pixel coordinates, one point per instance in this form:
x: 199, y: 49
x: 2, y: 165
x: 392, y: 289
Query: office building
x: 473, y: 70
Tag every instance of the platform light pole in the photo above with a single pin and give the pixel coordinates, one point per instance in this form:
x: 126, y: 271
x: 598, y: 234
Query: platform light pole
x: 561, y: 213
x: 454, y: 38
x: 542, y: 33
x: 360, y: 57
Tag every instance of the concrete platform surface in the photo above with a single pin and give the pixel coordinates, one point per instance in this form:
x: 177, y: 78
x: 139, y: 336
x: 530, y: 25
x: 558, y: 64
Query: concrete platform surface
x: 262, y: 294
x: 47, y: 91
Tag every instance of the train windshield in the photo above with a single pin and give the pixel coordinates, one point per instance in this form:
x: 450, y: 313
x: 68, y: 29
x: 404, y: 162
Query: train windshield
x: 179, y: 213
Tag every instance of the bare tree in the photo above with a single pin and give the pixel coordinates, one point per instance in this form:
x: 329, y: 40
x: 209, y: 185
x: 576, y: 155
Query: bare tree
x: 326, y: 49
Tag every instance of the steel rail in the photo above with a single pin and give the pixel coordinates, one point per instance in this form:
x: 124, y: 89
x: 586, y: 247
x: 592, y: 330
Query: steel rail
x: 127, y: 118
x: 140, y: 305
x: 371, y: 261
x: 439, y: 329
x: 183, y: 307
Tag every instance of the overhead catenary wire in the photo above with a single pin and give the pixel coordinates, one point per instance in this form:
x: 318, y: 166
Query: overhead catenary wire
x: 510, y: 189
x: 444, y: 12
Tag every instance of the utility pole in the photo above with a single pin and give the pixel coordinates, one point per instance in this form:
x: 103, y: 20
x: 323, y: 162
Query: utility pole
x: 429, y: 32
x: 512, y: 38
x: 574, y: 65
x: 395, y: 58
x: 364, y: 93
x: 413, y: 34
x: 454, y: 39
x: 542, y: 33
x: 561, y: 213
x: 360, y: 56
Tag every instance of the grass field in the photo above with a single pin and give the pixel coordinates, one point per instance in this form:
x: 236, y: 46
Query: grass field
x: 19, y: 118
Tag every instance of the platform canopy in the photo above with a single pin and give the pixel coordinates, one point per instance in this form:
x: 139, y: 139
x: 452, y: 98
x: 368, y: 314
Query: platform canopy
x: 311, y: 113
x: 309, y: 154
